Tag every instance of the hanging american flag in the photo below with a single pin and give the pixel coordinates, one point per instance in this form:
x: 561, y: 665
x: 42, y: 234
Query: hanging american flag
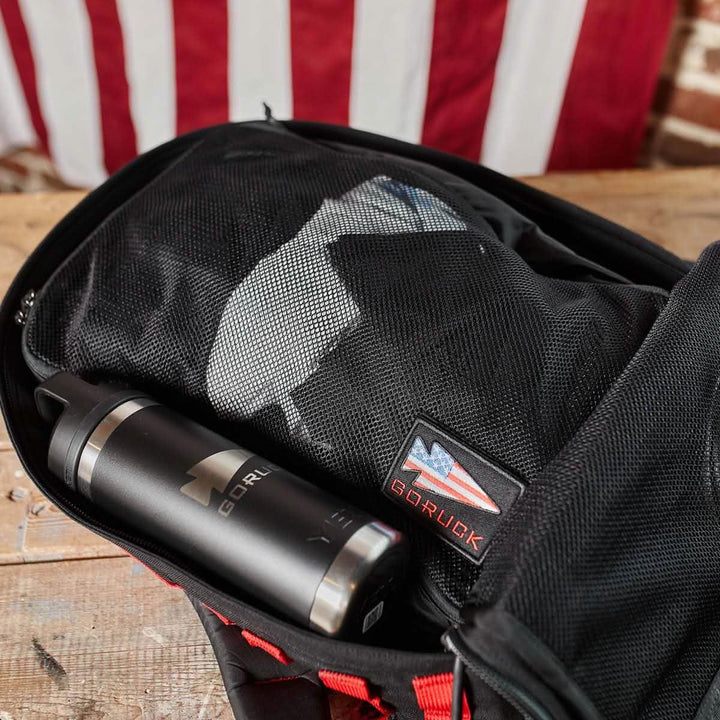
x: 441, y: 474
x: 523, y: 86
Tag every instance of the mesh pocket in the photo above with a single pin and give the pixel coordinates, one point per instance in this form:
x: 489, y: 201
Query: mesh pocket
x: 326, y: 301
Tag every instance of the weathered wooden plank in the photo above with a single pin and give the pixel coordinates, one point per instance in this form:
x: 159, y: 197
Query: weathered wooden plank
x: 102, y: 639
x: 34, y: 530
x: 25, y: 218
x: 678, y: 209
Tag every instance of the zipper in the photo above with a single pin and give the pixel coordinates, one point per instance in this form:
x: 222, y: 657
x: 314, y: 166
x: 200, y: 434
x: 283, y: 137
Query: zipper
x: 26, y: 303
x: 525, y: 704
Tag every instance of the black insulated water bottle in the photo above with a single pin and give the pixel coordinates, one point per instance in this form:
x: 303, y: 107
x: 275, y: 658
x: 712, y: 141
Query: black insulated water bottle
x: 326, y: 565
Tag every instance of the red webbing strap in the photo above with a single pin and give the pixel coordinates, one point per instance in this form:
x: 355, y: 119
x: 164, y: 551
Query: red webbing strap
x: 272, y: 650
x: 434, y: 696
x: 353, y: 686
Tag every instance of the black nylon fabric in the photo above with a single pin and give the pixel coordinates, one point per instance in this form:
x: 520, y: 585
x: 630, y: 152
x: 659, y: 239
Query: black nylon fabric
x: 448, y: 323
x: 242, y: 666
x: 271, y: 691
x: 613, y: 556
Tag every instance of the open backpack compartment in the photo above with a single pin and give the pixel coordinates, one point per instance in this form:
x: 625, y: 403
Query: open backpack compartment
x: 346, y: 305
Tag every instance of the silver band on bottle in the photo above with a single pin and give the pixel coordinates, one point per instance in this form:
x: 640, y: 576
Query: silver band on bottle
x: 100, y: 435
x: 347, y: 571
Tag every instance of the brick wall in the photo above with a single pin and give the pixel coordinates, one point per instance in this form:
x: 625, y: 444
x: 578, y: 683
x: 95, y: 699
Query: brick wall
x: 684, y: 126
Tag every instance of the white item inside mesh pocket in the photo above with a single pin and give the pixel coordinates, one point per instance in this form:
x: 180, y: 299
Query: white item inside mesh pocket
x: 293, y: 307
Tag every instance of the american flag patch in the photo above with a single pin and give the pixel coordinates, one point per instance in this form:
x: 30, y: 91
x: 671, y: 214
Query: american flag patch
x: 451, y: 489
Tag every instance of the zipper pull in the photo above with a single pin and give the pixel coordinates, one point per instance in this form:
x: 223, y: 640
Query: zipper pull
x: 456, y: 709
x: 269, y: 118
x: 26, y: 303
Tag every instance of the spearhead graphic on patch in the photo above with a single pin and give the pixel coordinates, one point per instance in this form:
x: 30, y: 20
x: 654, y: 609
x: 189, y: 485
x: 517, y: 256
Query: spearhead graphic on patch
x: 441, y: 474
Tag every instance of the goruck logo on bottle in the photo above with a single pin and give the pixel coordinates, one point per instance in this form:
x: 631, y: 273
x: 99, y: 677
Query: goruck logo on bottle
x: 451, y: 489
x: 215, y: 473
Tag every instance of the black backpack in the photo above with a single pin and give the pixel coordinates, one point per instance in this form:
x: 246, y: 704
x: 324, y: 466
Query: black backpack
x: 338, y: 301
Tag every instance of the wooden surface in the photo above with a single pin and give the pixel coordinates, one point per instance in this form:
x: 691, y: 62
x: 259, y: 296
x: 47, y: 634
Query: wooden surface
x: 91, y: 639
x: 678, y: 209
x: 88, y: 633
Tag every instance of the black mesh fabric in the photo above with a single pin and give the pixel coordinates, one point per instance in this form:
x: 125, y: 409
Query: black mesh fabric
x: 248, y: 280
x: 452, y: 324
x: 613, y: 557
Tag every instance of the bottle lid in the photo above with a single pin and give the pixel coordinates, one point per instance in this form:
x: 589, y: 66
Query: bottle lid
x: 76, y: 407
